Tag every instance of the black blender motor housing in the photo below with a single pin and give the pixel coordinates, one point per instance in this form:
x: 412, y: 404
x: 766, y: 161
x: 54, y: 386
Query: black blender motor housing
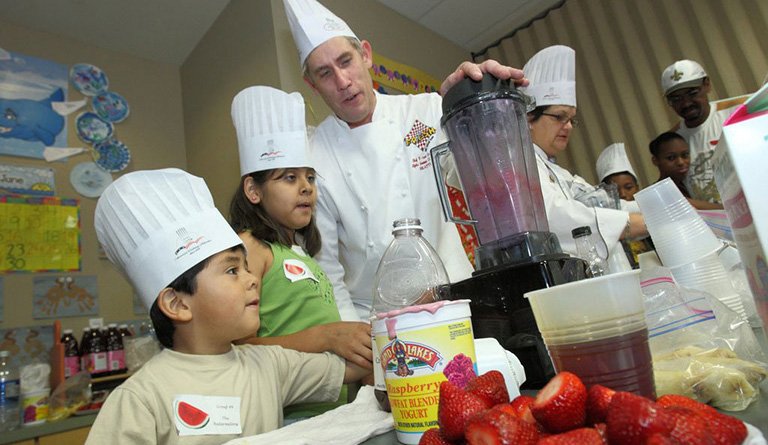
x: 510, y: 267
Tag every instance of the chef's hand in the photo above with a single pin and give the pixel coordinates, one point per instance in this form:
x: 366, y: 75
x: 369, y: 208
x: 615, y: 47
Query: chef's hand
x: 351, y: 340
x: 475, y: 71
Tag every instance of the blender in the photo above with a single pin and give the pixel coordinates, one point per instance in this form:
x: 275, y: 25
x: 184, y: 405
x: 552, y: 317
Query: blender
x: 488, y: 137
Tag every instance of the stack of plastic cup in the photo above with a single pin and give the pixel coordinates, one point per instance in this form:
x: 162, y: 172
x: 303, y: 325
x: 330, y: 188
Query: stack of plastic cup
x: 596, y: 329
x: 685, y: 243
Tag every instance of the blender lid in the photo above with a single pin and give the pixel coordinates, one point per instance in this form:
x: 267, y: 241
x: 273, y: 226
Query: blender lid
x: 469, y: 91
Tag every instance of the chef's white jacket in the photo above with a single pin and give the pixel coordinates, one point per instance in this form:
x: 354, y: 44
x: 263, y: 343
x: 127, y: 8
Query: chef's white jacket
x: 370, y: 176
x: 564, y: 213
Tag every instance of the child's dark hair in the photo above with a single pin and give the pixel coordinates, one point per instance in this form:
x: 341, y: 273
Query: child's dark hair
x: 607, y: 179
x: 247, y: 216
x: 186, y: 283
x: 655, y: 144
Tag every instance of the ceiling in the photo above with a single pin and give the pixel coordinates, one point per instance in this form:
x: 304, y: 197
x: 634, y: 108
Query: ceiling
x: 168, y: 30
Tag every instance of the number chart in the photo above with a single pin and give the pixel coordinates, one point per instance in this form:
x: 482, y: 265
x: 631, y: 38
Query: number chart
x: 39, y: 234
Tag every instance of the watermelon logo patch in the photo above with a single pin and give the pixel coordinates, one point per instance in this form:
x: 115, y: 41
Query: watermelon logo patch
x: 190, y: 416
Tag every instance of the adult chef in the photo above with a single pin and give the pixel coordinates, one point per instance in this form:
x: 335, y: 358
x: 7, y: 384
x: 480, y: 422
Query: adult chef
x: 552, y: 76
x: 372, y: 157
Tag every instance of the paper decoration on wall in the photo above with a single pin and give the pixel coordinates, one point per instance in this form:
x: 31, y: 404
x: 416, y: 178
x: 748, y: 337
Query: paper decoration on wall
x: 39, y: 234
x: 64, y: 296
x: 400, y: 77
x: 89, y: 179
x: 28, y: 89
x: 51, y: 154
x: 19, y: 180
x: 92, y: 129
x: 110, y: 106
x: 27, y: 344
x: 88, y: 79
x: 113, y: 155
x: 96, y: 128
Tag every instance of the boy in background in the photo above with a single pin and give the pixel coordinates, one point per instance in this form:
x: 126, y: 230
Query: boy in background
x: 671, y: 155
x: 161, y: 229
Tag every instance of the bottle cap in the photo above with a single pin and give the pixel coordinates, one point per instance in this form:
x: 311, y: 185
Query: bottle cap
x: 66, y: 331
x: 581, y: 231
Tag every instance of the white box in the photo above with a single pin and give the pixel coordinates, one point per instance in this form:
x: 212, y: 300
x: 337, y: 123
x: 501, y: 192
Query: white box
x: 741, y: 174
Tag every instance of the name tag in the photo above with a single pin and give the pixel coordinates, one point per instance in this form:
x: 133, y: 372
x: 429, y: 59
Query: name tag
x: 197, y: 415
x: 296, y: 270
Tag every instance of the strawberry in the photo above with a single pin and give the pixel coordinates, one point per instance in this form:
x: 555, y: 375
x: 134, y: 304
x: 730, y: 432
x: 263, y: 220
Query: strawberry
x: 689, y: 427
x: 489, y: 387
x: 433, y: 436
x: 683, y: 401
x: 580, y: 436
x: 455, y: 407
x: 632, y: 419
x: 598, y: 401
x: 726, y: 430
x: 497, y: 426
x: 521, y: 405
x: 660, y: 439
x: 561, y: 404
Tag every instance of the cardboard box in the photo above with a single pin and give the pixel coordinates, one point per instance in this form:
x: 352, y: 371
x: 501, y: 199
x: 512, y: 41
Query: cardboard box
x: 741, y: 160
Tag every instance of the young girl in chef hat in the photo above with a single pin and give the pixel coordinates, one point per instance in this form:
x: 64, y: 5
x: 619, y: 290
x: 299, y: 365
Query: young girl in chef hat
x: 273, y: 213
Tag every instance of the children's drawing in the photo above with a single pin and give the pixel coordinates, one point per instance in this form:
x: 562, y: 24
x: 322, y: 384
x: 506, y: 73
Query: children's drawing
x: 64, y: 296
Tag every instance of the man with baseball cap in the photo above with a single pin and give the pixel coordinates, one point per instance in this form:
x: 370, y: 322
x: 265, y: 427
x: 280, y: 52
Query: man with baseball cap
x: 372, y: 156
x: 686, y: 87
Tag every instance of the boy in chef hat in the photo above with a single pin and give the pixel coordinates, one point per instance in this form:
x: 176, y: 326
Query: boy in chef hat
x: 273, y: 212
x: 161, y: 229
x: 613, y: 167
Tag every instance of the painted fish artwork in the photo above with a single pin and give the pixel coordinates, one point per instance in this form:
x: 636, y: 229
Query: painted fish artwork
x: 31, y: 120
x: 29, y: 89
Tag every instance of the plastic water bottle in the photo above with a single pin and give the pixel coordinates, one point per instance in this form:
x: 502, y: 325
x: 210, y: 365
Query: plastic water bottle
x: 10, y: 417
x: 410, y: 272
x: 587, y: 251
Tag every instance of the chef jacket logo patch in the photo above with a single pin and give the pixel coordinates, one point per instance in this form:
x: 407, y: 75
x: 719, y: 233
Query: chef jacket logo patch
x: 188, y: 243
x: 420, y: 135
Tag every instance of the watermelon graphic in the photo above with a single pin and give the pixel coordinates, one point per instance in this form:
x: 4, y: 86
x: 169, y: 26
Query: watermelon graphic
x: 190, y: 416
x: 294, y: 269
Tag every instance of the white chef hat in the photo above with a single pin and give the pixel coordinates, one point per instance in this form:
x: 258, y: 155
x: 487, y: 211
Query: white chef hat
x: 155, y: 225
x: 551, y: 73
x: 614, y: 160
x: 312, y: 24
x: 682, y: 74
x: 271, y: 130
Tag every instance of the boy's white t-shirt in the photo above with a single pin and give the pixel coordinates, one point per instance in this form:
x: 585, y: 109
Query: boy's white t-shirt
x: 264, y: 378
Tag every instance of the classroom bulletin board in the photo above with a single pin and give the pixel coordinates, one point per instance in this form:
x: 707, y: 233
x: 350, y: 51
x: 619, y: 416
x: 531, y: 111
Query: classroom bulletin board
x: 39, y: 234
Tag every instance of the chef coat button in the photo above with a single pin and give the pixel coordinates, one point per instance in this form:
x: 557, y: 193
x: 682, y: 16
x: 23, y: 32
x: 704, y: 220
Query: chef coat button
x: 363, y: 208
x: 398, y: 157
x: 349, y: 173
x: 403, y: 193
x: 370, y: 244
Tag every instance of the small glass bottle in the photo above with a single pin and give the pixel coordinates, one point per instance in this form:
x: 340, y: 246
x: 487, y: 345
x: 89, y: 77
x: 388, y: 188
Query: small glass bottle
x: 587, y: 251
x: 410, y: 273
x: 71, y: 353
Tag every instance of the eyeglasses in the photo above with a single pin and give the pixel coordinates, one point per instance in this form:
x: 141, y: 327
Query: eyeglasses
x: 564, y: 119
x: 678, y: 98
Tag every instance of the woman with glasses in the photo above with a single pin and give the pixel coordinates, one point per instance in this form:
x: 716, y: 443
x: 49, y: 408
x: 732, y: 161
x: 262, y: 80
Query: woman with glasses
x: 552, y: 76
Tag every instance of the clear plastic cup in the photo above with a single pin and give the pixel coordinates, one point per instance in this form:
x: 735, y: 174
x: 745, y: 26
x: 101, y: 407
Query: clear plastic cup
x: 596, y: 329
x: 708, y: 274
x: 678, y: 231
